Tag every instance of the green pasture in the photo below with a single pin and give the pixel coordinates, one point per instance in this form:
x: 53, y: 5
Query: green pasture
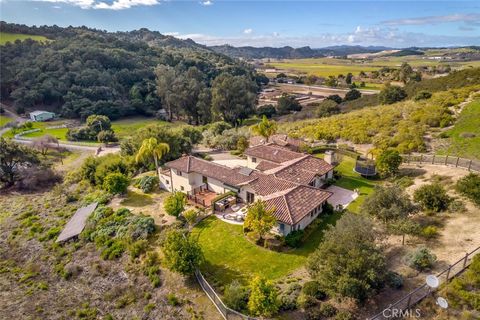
x: 11, y: 37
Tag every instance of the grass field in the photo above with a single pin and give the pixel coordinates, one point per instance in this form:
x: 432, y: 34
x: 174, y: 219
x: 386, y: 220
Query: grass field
x: 11, y: 37
x: 465, y: 135
x: 230, y: 256
x: 4, y: 120
x: 59, y: 133
x: 325, y: 67
x: 125, y: 127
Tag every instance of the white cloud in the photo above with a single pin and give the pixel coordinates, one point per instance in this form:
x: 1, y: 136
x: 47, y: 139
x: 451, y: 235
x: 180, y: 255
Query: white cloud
x: 103, y: 4
x: 57, y: 7
x: 206, y: 3
x: 468, y: 18
x: 248, y: 31
x: 384, y: 36
x: 174, y: 34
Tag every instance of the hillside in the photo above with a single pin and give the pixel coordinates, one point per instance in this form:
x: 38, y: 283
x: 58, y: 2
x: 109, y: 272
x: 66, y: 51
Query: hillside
x: 12, y: 37
x: 87, y: 71
x: 287, y: 52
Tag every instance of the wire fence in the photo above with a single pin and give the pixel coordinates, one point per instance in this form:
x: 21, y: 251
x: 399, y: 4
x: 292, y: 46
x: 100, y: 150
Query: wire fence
x: 226, y: 312
x: 418, y: 294
x: 445, y: 160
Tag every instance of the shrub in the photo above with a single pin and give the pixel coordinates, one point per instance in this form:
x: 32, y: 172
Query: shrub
x: 456, y: 206
x: 352, y: 95
x: 394, y: 280
x: 430, y: 232
x: 236, y: 296
x: 174, y: 204
x: 327, y: 310
x: 312, y: 288
x: 469, y: 186
x: 421, y: 259
x: 432, y: 197
x: 422, y: 95
x: 148, y: 183
x: 344, y: 315
x: 173, y: 300
x: 391, y: 94
x: 294, y: 238
x: 263, y: 297
x: 182, y: 253
x: 305, y: 302
x: 115, y: 183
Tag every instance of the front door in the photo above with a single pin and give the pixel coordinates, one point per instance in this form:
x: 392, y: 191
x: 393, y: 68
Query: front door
x: 250, y: 197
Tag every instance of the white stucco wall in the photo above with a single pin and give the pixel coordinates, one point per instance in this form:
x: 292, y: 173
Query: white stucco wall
x: 179, y: 181
x: 251, y: 164
x: 165, y: 182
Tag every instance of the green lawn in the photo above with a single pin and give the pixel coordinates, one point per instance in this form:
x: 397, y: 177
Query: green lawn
x: 4, y: 120
x: 351, y: 180
x: 229, y: 255
x: 125, y: 127
x: 11, y: 37
x: 59, y: 133
x: 465, y: 135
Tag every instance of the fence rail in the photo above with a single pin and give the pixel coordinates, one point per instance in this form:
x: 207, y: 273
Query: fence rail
x: 226, y: 312
x: 418, y: 294
x: 457, y: 162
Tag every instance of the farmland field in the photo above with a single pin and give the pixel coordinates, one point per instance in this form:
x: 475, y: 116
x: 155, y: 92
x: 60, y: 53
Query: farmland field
x: 325, y: 67
x: 11, y: 37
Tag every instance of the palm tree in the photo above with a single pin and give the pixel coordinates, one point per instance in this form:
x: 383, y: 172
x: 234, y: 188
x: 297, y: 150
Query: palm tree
x: 152, y: 148
x: 265, y: 128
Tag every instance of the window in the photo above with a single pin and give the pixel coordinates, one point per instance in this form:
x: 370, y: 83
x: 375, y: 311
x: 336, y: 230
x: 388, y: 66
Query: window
x: 282, y: 227
x: 167, y: 181
x: 179, y: 172
x: 254, y: 160
x: 311, y: 214
x: 204, y: 179
x: 250, y: 197
x: 182, y: 188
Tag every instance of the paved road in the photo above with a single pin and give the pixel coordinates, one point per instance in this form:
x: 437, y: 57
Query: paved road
x: 76, y: 147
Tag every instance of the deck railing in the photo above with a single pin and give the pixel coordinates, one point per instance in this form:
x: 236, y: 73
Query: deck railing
x: 445, y: 160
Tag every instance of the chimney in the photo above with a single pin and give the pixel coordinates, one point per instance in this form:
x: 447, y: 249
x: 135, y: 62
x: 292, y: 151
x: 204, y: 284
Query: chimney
x: 329, y: 157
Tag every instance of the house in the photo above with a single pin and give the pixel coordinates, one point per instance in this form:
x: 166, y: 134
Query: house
x: 281, y: 140
x: 289, y: 182
x: 40, y: 115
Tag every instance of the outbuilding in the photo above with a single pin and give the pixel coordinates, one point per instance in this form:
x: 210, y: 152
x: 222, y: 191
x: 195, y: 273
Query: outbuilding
x: 40, y: 115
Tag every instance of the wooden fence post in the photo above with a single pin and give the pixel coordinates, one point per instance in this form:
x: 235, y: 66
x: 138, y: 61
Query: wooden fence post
x: 433, y: 159
x: 448, y: 272
x: 409, y: 300
x: 456, y: 163
x: 465, y: 260
x: 421, y: 158
x: 446, y: 159
x: 469, y: 165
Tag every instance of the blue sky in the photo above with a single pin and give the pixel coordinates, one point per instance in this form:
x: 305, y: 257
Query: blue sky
x: 267, y: 23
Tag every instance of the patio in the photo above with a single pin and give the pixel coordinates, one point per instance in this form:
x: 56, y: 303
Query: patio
x: 341, y: 196
x: 204, y: 198
x: 234, y: 214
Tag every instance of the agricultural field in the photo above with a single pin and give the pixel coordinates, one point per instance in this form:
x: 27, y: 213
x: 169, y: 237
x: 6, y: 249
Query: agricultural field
x: 324, y: 67
x: 464, y: 137
x: 11, y: 37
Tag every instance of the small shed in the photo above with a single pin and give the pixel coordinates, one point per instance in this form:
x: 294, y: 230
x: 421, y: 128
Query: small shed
x: 40, y: 115
x: 77, y: 223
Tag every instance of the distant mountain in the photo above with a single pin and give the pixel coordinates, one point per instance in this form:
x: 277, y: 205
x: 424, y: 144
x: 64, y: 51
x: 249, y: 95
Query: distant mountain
x: 289, y: 52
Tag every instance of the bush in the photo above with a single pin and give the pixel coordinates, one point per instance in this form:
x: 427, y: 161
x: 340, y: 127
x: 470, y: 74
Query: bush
x: 294, y: 238
x: 456, y: 206
x: 469, y: 186
x: 266, y: 110
x: 423, y: 95
x: 394, y: 280
x: 432, y: 197
x: 430, y: 232
x: 344, y: 315
x: 173, y: 300
x: 327, y: 310
x: 391, y: 94
x: 312, y: 288
x: 352, y: 95
x: 174, y: 204
x: 115, y: 183
x: 148, y: 183
x: 421, y: 259
x: 235, y: 296
x: 304, y: 301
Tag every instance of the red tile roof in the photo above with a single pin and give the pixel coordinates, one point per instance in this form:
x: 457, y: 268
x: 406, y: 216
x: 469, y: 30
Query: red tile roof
x: 295, y: 204
x: 210, y: 169
x: 302, y: 171
x: 268, y: 184
x: 272, y: 153
x: 266, y: 165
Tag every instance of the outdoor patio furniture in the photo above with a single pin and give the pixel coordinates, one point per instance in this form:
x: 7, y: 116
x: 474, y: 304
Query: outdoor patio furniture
x: 235, y: 207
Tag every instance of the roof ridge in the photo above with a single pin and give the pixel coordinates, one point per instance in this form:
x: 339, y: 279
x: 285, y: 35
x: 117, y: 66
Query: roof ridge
x: 288, y: 208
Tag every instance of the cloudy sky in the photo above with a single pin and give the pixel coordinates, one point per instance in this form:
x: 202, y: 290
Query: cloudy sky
x: 267, y: 23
